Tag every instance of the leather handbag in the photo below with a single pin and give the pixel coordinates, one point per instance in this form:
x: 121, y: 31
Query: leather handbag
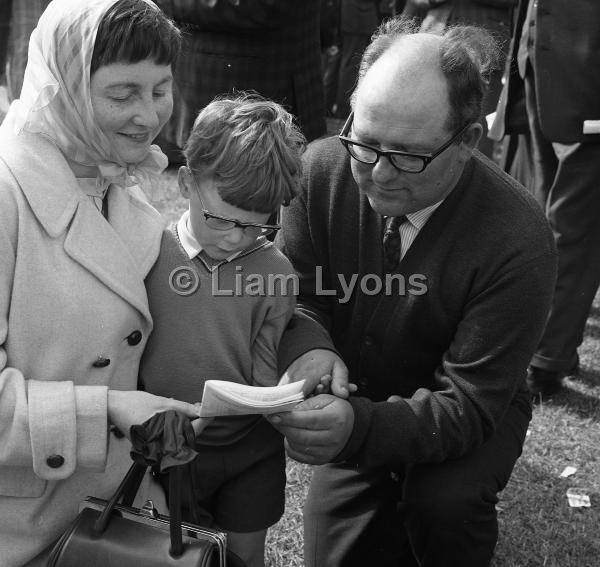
x: 111, y: 534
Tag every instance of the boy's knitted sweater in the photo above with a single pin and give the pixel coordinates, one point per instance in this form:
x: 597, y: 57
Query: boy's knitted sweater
x: 223, y: 324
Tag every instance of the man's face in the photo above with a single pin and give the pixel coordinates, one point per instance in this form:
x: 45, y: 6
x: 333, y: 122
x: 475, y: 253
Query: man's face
x: 403, y: 111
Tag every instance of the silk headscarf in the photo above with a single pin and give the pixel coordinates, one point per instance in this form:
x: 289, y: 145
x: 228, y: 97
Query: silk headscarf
x: 56, y: 99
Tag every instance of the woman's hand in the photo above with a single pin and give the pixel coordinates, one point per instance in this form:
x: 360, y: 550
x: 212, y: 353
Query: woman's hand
x: 127, y: 408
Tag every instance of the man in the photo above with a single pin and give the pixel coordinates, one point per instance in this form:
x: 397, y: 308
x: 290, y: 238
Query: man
x: 555, y: 54
x: 421, y: 450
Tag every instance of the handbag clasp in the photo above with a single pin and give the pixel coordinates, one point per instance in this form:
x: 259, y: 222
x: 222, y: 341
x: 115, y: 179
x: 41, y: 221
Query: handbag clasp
x: 149, y: 510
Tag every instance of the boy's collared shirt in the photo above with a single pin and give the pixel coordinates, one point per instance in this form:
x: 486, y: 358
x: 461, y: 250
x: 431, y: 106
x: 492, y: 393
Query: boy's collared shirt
x: 189, y: 242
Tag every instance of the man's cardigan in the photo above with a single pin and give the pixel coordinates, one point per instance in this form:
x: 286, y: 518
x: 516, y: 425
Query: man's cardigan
x: 457, y: 353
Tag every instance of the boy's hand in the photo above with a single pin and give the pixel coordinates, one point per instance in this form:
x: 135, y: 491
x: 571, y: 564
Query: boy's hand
x: 323, y: 371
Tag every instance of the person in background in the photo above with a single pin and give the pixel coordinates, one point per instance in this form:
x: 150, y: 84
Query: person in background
x: 269, y: 47
x: 24, y: 17
x: 510, y: 127
x: 330, y: 51
x: 243, y: 163
x: 555, y: 54
x: 77, y: 238
x: 493, y: 15
x: 453, y: 265
x: 358, y: 20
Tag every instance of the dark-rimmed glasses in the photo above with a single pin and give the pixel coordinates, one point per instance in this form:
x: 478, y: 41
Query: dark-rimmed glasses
x: 250, y: 229
x: 402, y: 161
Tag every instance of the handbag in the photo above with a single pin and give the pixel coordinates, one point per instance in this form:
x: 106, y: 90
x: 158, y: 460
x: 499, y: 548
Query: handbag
x: 111, y: 534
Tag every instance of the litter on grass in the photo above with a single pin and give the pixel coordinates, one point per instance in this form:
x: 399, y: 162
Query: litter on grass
x: 568, y: 472
x: 578, y: 498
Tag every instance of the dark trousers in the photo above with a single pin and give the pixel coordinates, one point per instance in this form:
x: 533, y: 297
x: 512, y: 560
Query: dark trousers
x: 439, y: 514
x: 353, y: 45
x: 567, y: 186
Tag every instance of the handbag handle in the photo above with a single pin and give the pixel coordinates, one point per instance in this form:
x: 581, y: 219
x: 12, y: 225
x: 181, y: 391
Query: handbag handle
x: 128, y: 489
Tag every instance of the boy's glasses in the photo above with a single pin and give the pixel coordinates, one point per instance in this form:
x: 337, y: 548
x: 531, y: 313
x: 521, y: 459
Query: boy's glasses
x: 250, y: 229
x: 402, y: 161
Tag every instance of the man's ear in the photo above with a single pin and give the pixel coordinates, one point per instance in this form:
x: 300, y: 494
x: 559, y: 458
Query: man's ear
x: 470, y: 139
x: 184, y: 179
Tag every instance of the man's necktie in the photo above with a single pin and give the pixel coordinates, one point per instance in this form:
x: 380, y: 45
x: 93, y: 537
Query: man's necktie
x: 392, y: 244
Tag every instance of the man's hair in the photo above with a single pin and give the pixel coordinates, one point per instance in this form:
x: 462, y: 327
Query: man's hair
x: 133, y: 30
x: 468, y: 55
x: 251, y: 147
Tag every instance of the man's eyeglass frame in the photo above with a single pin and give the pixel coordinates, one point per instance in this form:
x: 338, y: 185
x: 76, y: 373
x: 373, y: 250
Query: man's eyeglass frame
x: 267, y: 229
x: 426, y: 159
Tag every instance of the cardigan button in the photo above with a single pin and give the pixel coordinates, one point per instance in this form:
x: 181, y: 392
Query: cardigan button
x: 101, y: 362
x: 135, y: 338
x: 55, y: 461
x: 369, y: 341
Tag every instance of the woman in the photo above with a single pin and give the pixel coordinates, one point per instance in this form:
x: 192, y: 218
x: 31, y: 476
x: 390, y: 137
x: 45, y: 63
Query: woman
x: 77, y: 239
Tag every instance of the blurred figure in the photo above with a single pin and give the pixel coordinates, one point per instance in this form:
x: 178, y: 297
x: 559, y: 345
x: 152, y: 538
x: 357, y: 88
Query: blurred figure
x: 330, y: 51
x: 358, y: 20
x: 556, y: 54
x: 24, y: 18
x: 493, y: 15
x: 5, y: 12
x: 270, y: 47
x: 511, y: 127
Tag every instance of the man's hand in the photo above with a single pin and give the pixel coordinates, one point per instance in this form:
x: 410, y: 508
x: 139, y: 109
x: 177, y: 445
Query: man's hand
x: 322, y: 369
x: 127, y: 408
x: 317, y: 429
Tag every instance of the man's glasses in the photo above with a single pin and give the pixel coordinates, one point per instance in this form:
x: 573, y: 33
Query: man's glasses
x: 250, y: 229
x: 402, y: 161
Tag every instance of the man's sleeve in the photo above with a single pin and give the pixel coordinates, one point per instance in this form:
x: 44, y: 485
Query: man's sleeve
x: 310, y: 325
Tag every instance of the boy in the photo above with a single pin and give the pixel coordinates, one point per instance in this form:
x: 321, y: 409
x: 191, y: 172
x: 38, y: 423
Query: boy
x: 219, y: 312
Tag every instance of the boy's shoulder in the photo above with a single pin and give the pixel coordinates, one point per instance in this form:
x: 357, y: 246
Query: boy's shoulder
x: 267, y: 256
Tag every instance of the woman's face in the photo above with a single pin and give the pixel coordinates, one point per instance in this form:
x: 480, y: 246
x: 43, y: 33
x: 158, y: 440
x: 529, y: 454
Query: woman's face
x: 132, y: 102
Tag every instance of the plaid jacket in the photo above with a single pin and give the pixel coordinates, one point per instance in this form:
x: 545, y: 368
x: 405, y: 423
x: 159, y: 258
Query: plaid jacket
x: 25, y: 14
x: 270, y: 46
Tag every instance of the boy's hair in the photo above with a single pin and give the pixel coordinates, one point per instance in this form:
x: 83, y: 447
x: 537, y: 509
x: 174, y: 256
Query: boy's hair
x: 251, y: 147
x: 133, y: 30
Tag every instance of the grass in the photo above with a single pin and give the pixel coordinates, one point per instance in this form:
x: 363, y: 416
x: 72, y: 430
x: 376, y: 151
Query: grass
x: 537, y: 526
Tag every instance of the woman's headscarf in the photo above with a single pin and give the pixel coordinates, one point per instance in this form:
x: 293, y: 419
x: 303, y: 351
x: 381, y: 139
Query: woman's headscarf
x: 56, y: 101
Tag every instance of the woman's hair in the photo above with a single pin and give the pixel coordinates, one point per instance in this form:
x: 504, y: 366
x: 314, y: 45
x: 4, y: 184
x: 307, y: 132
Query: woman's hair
x: 251, y: 147
x: 468, y: 55
x: 133, y: 30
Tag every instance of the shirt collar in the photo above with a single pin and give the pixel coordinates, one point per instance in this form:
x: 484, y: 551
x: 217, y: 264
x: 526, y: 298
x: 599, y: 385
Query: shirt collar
x: 419, y: 218
x: 189, y: 242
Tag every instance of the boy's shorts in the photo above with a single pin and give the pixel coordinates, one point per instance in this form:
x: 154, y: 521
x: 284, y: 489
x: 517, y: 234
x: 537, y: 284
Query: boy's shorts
x: 238, y: 487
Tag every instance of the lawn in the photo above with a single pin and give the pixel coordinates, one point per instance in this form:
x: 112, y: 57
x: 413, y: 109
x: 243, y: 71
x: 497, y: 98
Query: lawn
x: 537, y: 526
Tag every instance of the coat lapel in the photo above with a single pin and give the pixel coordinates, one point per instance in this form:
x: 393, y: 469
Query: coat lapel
x: 119, y: 254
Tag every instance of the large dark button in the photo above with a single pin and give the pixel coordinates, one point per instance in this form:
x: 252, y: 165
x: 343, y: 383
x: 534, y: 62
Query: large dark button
x: 55, y: 461
x: 116, y: 432
x: 134, y: 338
x: 368, y: 341
x: 101, y: 362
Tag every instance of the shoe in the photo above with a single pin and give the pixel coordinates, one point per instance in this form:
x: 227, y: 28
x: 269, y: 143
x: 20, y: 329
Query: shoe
x: 544, y: 382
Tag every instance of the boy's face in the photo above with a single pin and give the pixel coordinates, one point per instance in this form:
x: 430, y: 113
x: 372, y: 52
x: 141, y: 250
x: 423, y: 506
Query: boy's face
x: 203, y: 195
